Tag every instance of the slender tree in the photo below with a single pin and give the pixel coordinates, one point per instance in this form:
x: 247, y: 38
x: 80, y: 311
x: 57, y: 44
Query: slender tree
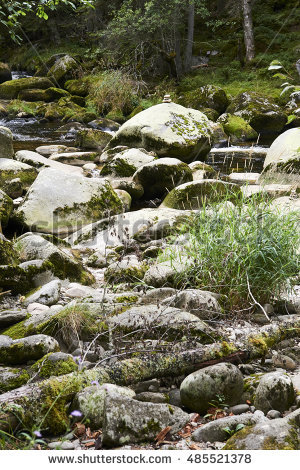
x: 248, y: 30
x: 190, y: 36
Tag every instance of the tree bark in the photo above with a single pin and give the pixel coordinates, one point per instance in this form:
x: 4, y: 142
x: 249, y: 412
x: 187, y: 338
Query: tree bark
x: 248, y: 30
x: 190, y: 36
x: 44, y: 404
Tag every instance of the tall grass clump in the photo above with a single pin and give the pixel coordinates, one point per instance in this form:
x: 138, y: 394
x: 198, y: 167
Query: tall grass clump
x: 113, y: 90
x: 247, y: 252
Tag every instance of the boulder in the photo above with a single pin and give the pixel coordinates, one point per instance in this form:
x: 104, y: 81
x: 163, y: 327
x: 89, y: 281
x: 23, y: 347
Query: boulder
x: 48, y: 294
x: 275, y: 391
x: 48, y: 95
x: 264, y: 116
x: 274, y: 434
x: 6, y: 143
x: 149, y: 321
x: 202, y: 387
x: 129, y: 421
x: 32, y: 247
x: 55, y: 205
x: 91, y: 400
x: 20, y: 351
x: 8, y: 254
x: 5, y: 73
x: 135, y: 190
x: 237, y: 128
x: 127, y: 162
x: 166, y: 273
x: 129, y: 269
x: 217, y: 430
x: 162, y: 175
x: 170, y: 130
x: 54, y: 364
x: 77, y: 87
x: 10, y: 317
x: 117, y: 230
x: 11, y: 89
x: 12, y: 170
x: 201, y: 171
x: 63, y: 69
x: 92, y: 139
x: 6, y: 208
x: 202, y: 304
x: 74, y: 158
x: 208, y: 96
x: 282, y: 163
x: 11, y: 378
x: 195, y: 194
x: 39, y: 161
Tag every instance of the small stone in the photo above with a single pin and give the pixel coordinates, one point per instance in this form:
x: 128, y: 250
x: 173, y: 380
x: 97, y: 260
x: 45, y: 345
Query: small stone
x: 239, y: 409
x: 273, y: 414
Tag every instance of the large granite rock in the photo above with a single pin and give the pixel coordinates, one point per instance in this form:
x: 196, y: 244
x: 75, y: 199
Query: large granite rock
x: 168, y: 129
x: 61, y: 203
x: 6, y: 143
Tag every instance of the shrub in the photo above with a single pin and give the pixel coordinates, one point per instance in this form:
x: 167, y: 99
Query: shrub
x: 243, y: 252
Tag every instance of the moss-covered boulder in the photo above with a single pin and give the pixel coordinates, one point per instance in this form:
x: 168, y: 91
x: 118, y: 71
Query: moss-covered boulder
x: 208, y: 96
x: 195, y: 194
x: 162, y: 175
x: 54, y: 364
x: 8, y: 254
x: 5, y: 73
x: 135, y: 190
x: 116, y: 115
x: 129, y: 269
x: 63, y: 69
x: 91, y: 400
x: 77, y: 320
x: 263, y: 115
x: 127, y: 162
x: 201, y: 388
x: 275, y: 391
x: 168, y: 129
x: 64, y: 109
x: 282, y: 163
x: 32, y: 247
x: 149, y: 321
x: 6, y: 143
x: 51, y: 94
x: 6, y: 207
x: 20, y: 351
x: 92, y: 139
x: 54, y: 203
x: 237, y: 128
x: 11, y: 378
x: 11, y: 89
x: 11, y: 169
x: 201, y: 170
x: 77, y: 87
x: 128, y: 421
x: 275, y: 434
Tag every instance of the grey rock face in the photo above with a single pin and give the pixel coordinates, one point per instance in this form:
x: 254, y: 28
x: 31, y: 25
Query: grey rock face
x: 127, y: 420
x: 20, y: 351
x: 6, y: 143
x: 203, y: 304
x: 201, y: 387
x: 275, y: 391
x: 46, y: 295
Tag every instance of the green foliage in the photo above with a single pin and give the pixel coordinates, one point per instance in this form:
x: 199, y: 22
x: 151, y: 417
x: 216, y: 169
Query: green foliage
x: 243, y: 252
x: 231, y: 432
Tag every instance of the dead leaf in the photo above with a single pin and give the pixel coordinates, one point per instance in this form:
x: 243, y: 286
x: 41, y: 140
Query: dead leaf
x: 90, y: 444
x: 79, y: 429
x: 162, y: 434
x: 194, y: 447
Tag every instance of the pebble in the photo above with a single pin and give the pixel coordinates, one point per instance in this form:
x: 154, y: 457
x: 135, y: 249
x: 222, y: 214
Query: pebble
x: 63, y: 445
x: 239, y: 409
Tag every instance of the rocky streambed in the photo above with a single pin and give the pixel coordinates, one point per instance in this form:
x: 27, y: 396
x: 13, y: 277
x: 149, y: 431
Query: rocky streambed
x: 104, y: 342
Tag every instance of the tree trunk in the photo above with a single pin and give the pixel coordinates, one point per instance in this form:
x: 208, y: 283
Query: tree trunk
x: 44, y: 404
x: 248, y: 30
x: 190, y: 37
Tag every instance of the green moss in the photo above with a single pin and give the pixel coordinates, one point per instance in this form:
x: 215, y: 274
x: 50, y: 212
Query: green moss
x: 47, y: 368
x: 127, y: 299
x: 18, y: 378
